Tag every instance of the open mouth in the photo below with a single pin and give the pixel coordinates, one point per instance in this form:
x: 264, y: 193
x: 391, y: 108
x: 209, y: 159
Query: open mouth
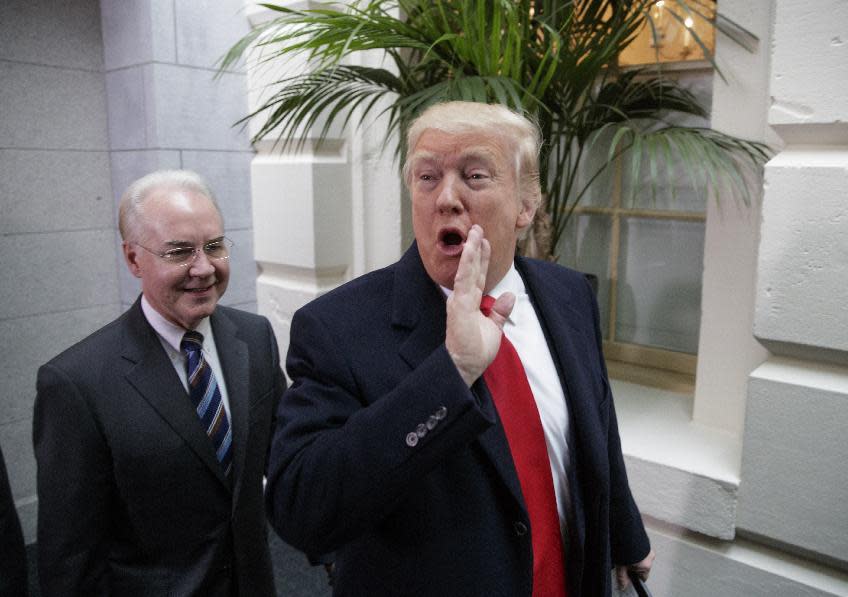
x: 451, y: 241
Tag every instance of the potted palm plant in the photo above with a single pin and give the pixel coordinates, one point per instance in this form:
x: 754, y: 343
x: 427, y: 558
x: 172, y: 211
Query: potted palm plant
x: 556, y: 60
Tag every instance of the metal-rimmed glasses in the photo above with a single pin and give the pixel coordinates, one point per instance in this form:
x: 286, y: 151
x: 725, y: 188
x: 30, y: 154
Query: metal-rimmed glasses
x: 183, y: 256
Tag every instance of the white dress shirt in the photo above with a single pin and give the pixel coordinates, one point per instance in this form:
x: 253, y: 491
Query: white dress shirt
x: 525, y: 332
x: 171, y: 336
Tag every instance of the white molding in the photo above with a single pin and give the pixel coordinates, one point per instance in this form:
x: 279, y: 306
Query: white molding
x: 695, y: 566
x: 679, y: 471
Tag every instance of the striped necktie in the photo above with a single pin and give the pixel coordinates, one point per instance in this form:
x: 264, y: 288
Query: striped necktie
x: 206, y: 397
x: 507, y: 382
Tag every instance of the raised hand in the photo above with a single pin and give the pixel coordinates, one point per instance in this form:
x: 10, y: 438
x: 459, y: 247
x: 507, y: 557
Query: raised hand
x: 473, y: 339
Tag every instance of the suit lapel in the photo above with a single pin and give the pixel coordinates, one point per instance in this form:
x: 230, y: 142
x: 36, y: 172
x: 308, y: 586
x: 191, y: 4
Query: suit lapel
x: 154, y: 378
x: 234, y: 357
x: 419, y: 306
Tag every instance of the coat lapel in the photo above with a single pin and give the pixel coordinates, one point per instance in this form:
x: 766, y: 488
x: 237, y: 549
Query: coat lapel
x: 419, y: 306
x: 496, y: 447
x: 566, y: 330
x: 234, y: 357
x: 153, y: 376
x: 571, y: 338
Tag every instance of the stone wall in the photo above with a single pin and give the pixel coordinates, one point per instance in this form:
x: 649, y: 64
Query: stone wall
x: 57, y: 249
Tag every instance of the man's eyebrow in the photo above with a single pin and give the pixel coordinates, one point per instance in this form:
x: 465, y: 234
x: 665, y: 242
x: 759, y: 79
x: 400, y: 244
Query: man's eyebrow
x: 425, y: 156
x: 188, y: 243
x: 479, y: 153
x: 472, y: 153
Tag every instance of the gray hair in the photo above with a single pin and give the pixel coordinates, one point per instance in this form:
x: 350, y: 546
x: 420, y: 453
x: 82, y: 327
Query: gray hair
x: 131, y: 206
x: 520, y: 133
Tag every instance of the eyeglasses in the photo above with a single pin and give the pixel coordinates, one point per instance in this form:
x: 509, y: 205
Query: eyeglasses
x: 216, y: 250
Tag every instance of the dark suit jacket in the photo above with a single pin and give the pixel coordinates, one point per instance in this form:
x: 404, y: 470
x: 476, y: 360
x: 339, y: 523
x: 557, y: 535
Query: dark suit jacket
x: 131, y: 499
x: 444, y: 516
x: 13, y: 562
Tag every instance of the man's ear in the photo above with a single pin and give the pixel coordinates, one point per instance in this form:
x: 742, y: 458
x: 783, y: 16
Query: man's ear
x: 131, y: 257
x: 525, y: 216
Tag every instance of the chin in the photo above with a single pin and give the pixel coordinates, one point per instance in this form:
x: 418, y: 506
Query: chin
x: 445, y: 279
x: 207, y: 309
x: 441, y: 269
x: 198, y: 312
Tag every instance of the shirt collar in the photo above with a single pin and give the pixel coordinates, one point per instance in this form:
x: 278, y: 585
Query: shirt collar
x: 170, y: 333
x: 511, y: 282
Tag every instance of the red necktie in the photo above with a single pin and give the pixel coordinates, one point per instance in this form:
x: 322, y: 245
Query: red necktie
x: 507, y: 382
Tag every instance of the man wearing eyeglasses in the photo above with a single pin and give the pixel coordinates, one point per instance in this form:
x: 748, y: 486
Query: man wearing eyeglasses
x: 151, y: 435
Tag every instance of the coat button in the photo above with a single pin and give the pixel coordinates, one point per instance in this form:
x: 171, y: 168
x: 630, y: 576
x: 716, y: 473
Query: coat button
x: 412, y: 439
x: 432, y: 422
x: 520, y: 528
x: 441, y: 413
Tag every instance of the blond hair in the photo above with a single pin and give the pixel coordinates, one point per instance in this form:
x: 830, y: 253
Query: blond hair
x: 519, y: 133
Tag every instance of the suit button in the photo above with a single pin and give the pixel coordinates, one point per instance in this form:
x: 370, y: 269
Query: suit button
x: 412, y: 439
x: 520, y: 528
x: 432, y: 422
x: 421, y: 430
x: 441, y: 413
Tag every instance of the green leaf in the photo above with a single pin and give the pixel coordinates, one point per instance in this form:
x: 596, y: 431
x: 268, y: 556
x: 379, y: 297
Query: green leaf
x: 555, y: 60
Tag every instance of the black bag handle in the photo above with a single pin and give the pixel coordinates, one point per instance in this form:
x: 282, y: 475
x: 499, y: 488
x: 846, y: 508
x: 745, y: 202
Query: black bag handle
x: 638, y: 584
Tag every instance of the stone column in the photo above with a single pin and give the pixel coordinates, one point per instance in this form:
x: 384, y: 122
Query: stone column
x: 322, y: 214
x: 727, y: 351
x: 794, y: 476
x: 56, y: 226
x: 167, y: 109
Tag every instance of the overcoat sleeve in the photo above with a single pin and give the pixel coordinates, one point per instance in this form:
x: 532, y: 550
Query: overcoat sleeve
x: 341, y: 458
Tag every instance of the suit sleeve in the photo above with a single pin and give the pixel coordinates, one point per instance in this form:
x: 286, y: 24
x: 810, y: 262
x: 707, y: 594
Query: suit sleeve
x: 340, y: 460
x: 628, y: 539
x: 75, y: 490
x: 13, y: 563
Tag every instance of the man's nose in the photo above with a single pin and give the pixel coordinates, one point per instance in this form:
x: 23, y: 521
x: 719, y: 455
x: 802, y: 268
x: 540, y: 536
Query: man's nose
x: 201, y: 266
x: 449, y: 199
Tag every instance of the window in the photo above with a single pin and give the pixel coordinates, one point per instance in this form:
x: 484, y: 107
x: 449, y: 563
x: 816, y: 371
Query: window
x: 672, y: 39
x: 644, y: 241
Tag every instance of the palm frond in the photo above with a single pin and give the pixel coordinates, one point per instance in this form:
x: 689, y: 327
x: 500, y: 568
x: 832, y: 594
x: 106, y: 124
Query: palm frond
x: 682, y: 150
x: 306, y: 99
x: 554, y: 60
